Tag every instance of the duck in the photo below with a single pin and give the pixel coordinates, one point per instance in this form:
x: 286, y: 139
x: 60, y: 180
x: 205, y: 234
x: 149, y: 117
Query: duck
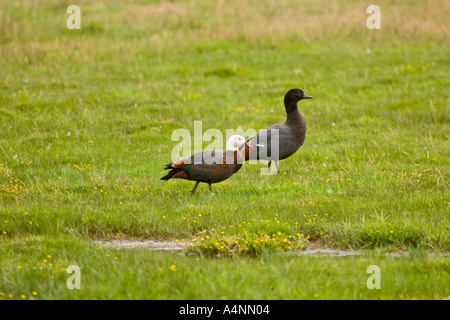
x: 288, y: 139
x: 210, y: 166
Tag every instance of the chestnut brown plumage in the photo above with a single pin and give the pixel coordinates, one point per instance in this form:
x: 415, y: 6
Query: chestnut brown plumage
x: 210, y: 166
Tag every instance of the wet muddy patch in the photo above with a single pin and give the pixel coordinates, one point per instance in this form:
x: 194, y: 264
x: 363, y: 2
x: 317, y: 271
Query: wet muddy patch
x: 142, y: 244
x: 312, y: 251
x: 317, y: 252
x: 173, y: 246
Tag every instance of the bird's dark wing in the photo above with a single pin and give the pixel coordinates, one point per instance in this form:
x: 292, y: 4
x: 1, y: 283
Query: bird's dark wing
x: 269, y: 138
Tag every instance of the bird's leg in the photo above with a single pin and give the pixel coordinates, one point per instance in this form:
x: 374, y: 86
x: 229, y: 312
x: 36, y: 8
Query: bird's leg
x: 210, y: 188
x: 277, y: 165
x: 195, y: 187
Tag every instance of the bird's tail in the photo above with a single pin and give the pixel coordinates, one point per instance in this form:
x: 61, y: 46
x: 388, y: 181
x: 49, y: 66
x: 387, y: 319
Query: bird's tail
x: 168, y: 166
x: 172, y: 172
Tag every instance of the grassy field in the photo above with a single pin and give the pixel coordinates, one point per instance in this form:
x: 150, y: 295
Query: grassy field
x: 86, y: 118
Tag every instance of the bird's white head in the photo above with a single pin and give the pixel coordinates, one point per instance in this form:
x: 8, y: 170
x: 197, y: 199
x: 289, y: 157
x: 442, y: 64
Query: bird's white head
x: 234, y: 142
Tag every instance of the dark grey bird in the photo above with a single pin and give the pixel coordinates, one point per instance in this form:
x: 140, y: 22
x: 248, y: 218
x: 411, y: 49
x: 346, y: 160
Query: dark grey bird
x: 281, y: 140
x: 210, y: 166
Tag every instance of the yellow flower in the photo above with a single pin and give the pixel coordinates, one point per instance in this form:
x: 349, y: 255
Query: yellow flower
x: 23, y: 296
x: 34, y: 293
x: 173, y: 268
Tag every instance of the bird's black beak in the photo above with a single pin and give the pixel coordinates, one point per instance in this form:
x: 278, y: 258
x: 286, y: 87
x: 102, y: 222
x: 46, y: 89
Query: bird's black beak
x: 246, y: 144
x: 305, y: 96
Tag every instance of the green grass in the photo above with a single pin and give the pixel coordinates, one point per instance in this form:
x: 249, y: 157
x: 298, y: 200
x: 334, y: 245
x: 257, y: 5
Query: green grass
x: 86, y: 118
x: 38, y: 264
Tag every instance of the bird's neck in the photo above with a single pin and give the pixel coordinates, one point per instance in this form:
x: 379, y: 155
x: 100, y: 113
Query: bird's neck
x: 241, y: 151
x: 291, y: 106
x: 235, y: 157
x: 296, y: 122
x: 293, y: 115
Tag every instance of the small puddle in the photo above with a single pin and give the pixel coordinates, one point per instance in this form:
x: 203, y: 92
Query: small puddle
x: 144, y: 244
x: 328, y: 253
x: 174, y: 246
